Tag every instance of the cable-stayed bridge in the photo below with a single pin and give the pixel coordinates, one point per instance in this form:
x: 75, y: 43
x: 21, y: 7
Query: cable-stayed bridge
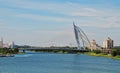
x: 81, y: 39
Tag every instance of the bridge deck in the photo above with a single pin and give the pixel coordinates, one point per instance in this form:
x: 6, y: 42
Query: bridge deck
x: 53, y: 49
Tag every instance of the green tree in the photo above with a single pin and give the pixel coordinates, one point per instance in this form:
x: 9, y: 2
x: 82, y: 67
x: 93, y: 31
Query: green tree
x: 114, y: 52
x: 8, y: 51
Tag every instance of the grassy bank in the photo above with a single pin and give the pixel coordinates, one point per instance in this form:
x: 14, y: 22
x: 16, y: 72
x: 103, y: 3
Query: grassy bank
x: 103, y: 55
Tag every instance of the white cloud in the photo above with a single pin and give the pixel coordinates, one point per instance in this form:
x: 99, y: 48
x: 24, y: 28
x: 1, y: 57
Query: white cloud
x: 68, y: 9
x: 41, y: 17
x: 109, y: 21
x: 71, y: 9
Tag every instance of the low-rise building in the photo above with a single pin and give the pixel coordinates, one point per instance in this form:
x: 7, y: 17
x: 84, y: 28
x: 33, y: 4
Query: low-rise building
x: 93, y: 45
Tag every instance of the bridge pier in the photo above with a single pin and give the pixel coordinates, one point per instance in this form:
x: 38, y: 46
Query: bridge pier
x: 23, y: 51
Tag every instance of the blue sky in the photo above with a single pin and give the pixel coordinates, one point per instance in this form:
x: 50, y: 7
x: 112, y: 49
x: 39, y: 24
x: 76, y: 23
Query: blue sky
x: 49, y: 22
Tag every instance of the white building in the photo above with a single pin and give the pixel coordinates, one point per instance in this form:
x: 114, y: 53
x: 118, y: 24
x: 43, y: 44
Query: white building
x: 1, y: 43
x: 12, y: 44
x: 93, y: 45
x: 6, y: 45
x: 108, y: 43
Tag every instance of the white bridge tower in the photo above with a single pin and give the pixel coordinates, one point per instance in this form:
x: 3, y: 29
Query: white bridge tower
x: 81, y: 38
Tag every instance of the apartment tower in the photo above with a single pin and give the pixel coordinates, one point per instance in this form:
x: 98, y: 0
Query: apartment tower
x: 108, y: 43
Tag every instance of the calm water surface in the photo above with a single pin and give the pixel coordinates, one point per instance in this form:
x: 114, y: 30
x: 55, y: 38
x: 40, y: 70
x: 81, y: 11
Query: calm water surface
x: 58, y: 63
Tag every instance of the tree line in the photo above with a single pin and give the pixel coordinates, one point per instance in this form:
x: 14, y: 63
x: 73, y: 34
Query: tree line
x: 9, y: 50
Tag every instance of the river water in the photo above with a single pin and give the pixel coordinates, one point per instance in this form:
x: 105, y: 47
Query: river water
x: 58, y: 63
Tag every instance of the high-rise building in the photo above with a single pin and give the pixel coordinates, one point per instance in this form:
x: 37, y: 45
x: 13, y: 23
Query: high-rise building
x: 12, y: 44
x: 108, y: 43
x: 1, y: 43
x: 6, y: 45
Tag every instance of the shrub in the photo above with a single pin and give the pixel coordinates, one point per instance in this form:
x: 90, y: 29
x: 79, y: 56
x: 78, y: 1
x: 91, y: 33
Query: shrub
x: 97, y: 51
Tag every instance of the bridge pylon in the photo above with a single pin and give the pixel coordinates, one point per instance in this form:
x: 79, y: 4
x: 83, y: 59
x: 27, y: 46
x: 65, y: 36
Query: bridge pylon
x: 81, y: 38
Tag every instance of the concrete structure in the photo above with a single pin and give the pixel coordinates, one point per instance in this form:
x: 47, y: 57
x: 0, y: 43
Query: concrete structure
x: 12, y: 45
x: 1, y: 43
x: 81, y: 38
x: 53, y: 49
x: 108, y: 43
x: 6, y: 45
x: 93, y: 45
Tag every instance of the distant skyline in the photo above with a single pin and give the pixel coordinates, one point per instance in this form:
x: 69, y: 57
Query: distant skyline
x: 50, y: 22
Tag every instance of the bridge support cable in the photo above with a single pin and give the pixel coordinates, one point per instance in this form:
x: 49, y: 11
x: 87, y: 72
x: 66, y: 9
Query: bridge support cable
x: 84, y: 35
x: 81, y: 37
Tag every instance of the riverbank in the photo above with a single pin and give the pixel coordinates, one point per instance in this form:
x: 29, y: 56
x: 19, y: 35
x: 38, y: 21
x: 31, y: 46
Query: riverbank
x: 103, y: 55
x: 88, y: 53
